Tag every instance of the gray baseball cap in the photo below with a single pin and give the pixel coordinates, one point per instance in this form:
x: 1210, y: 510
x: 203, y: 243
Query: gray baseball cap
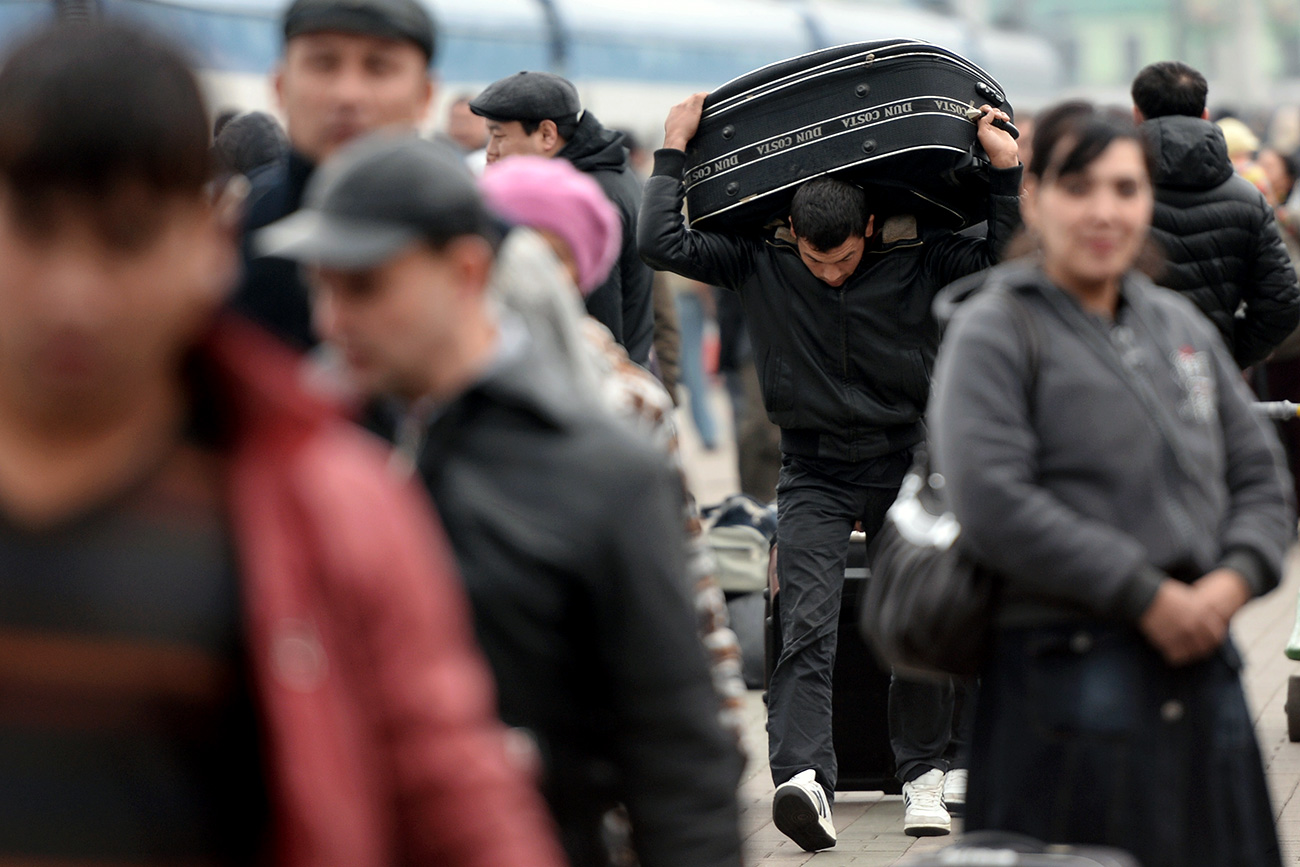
x: 528, y: 96
x: 393, y: 19
x: 374, y: 198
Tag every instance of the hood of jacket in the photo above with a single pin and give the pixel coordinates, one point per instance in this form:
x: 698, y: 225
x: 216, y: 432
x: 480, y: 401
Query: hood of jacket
x: 1188, y: 153
x: 595, y: 148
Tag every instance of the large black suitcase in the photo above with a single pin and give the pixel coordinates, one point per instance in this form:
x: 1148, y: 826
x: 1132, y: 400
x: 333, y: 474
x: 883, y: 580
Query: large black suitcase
x: 890, y: 115
x: 860, y: 687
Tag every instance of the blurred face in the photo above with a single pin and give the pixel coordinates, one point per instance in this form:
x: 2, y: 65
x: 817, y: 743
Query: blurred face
x: 833, y: 267
x: 1274, y: 168
x: 399, y: 326
x: 334, y: 87
x: 103, y: 297
x: 1093, y: 223
x: 506, y: 138
x: 466, y: 128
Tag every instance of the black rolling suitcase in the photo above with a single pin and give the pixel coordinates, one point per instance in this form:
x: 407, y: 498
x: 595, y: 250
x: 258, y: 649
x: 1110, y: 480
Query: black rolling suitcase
x: 890, y: 115
x: 860, y: 688
x: 1002, y: 849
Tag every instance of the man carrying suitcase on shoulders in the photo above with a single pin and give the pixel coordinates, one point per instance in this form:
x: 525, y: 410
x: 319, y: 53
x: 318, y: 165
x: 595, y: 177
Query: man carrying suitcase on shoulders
x: 839, y: 312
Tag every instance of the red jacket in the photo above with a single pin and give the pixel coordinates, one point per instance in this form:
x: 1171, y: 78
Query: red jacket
x: 378, y: 713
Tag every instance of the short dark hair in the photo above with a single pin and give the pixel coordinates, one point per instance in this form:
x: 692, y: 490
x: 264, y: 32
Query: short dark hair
x: 1169, y: 88
x: 1070, y: 135
x: 89, y: 107
x: 564, y: 127
x: 827, y: 211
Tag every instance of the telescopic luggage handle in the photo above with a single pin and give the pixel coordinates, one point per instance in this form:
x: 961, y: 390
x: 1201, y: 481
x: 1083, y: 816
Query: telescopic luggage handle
x: 1277, y: 410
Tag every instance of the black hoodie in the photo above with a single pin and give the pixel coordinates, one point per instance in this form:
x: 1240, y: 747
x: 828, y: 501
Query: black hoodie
x: 1221, y: 239
x: 623, y: 301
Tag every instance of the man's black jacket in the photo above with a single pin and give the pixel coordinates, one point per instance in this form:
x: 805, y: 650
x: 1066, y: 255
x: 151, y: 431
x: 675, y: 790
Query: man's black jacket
x: 623, y: 303
x: 568, y: 535
x: 1221, y: 239
x: 272, y: 293
x: 845, y: 371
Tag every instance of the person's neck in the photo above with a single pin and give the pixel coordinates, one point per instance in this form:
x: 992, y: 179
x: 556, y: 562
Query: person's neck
x: 476, y: 347
x: 1099, y: 297
x: 53, y: 467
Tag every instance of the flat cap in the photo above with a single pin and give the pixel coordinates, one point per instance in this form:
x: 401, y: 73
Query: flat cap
x: 375, y: 197
x: 529, y: 96
x: 393, y: 19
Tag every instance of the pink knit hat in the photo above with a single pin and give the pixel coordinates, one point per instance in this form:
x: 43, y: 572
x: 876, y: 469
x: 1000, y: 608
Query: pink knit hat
x: 551, y: 194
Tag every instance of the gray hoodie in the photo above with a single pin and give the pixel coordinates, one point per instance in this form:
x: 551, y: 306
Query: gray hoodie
x: 1088, y: 461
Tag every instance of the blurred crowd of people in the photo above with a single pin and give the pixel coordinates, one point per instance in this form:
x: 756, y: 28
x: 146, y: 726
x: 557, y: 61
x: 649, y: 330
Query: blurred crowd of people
x: 342, y: 511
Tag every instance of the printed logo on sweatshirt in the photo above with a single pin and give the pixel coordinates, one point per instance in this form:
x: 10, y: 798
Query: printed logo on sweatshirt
x: 1196, y: 378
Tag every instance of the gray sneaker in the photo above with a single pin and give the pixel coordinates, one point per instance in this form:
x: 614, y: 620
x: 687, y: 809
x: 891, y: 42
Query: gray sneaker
x: 802, y: 812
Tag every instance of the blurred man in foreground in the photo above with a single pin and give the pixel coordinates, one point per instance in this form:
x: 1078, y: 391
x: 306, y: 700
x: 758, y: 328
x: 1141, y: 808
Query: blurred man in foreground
x: 227, y: 636
x: 567, y: 527
x: 349, y: 67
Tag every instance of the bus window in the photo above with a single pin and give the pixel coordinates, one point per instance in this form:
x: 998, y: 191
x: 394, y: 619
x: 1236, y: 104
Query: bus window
x: 483, y: 40
x: 21, y: 17
x: 221, y: 39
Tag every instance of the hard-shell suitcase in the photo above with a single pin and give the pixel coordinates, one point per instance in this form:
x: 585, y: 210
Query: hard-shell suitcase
x: 1004, y: 849
x: 860, y: 687
x: 891, y: 115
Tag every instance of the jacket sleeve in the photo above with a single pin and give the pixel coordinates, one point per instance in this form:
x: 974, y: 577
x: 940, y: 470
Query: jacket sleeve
x: 1261, y: 522
x: 954, y: 256
x: 984, y: 444
x: 457, y: 794
x: 1272, y: 297
x: 680, y: 771
x: 667, y: 244
x: 637, y: 292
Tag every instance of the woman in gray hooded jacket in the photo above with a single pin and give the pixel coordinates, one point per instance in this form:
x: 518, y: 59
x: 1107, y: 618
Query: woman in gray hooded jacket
x: 1100, y: 453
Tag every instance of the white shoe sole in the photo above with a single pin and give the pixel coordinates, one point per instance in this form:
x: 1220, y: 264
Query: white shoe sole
x: 795, y: 816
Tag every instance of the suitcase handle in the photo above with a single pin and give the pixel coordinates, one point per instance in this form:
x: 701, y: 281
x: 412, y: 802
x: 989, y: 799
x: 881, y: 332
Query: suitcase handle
x: 974, y: 114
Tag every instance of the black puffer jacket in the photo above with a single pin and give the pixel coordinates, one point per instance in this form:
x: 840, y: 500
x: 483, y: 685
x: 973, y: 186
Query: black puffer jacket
x: 623, y: 303
x: 1222, y: 242
x: 845, y: 370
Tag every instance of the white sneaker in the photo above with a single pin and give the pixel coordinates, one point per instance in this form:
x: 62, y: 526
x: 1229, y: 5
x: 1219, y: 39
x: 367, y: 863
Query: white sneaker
x: 954, y: 792
x: 923, y: 812
x: 802, y: 812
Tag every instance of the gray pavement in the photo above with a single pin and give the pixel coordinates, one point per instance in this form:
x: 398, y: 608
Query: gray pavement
x: 870, y: 825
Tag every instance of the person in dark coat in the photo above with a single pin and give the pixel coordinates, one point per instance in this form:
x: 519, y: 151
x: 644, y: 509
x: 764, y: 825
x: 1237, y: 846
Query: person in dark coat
x: 839, y: 314
x: 566, y: 525
x: 1218, y: 232
x: 539, y: 113
x: 248, y: 142
x: 348, y: 68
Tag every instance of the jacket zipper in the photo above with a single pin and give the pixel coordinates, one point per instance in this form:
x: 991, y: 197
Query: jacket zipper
x: 844, y: 367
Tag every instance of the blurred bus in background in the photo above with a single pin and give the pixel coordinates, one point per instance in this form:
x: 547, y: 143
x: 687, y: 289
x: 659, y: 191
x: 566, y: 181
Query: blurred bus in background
x: 631, y: 59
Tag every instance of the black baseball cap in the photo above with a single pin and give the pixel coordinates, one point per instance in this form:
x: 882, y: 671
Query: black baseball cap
x: 393, y: 19
x: 377, y: 196
x: 530, y: 96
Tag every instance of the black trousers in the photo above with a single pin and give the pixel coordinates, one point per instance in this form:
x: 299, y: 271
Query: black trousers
x: 816, y: 508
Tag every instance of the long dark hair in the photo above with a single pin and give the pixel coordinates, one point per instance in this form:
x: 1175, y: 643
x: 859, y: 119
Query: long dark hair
x: 1068, y: 137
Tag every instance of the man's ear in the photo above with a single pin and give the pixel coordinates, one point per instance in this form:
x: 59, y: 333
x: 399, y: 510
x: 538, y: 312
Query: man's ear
x: 1138, y: 117
x: 472, y: 259
x: 1205, y: 113
x: 550, y: 136
x: 871, y: 225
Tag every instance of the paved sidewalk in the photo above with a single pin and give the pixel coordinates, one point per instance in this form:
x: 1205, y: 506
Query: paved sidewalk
x: 870, y: 825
